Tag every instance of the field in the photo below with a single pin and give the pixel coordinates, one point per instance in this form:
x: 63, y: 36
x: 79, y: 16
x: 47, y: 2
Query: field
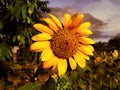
x: 102, y: 73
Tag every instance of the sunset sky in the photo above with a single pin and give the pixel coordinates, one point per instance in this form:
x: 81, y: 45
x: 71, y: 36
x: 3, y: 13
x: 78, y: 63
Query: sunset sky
x: 103, y: 14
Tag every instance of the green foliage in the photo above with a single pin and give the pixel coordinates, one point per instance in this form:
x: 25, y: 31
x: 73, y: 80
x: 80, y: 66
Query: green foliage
x: 102, y: 72
x: 31, y: 86
x: 16, y: 20
x: 102, y: 46
x: 5, y: 52
x: 49, y: 85
x: 63, y: 83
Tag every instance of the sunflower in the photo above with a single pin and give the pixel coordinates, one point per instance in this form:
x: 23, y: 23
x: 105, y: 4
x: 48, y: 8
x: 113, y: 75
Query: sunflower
x: 63, y: 44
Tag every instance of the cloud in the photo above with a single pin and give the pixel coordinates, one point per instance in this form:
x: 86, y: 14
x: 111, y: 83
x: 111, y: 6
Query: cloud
x: 117, y: 35
x: 117, y: 1
x: 59, y: 12
x: 107, y: 11
x: 103, y: 9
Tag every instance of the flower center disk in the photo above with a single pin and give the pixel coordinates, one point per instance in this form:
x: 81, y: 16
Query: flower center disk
x: 64, y: 44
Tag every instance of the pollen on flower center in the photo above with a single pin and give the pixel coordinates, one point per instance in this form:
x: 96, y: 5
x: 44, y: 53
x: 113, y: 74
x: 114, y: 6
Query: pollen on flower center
x: 64, y: 44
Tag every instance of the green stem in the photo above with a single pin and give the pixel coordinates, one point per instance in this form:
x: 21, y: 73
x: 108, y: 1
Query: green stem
x: 110, y: 84
x: 90, y: 86
x: 100, y: 82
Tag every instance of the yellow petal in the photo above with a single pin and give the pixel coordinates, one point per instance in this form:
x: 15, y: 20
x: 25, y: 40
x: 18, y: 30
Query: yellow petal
x: 87, y: 49
x: 47, y: 64
x: 66, y: 20
x: 80, y: 60
x: 41, y: 36
x: 55, y: 66
x: 43, y: 28
x: 85, y: 25
x: 51, y: 24
x: 62, y: 67
x: 83, y: 32
x: 39, y: 46
x: 76, y: 20
x: 46, y: 54
x: 57, y: 21
x: 52, y: 62
x: 83, y: 55
x: 72, y: 63
x: 86, y: 40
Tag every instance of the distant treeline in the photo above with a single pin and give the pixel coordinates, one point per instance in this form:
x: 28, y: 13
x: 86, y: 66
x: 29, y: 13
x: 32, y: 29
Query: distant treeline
x: 112, y: 44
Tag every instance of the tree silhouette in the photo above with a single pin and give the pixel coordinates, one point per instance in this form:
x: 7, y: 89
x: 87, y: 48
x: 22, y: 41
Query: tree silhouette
x: 115, y: 42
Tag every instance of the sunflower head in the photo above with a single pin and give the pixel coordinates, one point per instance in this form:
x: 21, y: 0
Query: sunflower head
x: 63, y: 43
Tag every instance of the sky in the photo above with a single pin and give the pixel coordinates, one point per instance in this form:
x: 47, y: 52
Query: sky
x: 104, y: 15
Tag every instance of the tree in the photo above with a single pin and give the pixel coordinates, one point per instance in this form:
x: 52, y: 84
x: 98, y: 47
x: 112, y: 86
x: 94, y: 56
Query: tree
x: 101, y: 46
x: 115, y: 42
x: 16, y: 20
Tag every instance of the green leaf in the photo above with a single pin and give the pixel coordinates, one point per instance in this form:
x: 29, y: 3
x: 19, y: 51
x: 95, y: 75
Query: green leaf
x: 22, y: 39
x: 18, y: 37
x: 31, y: 86
x: 14, y: 38
x: 2, y: 1
x: 28, y: 20
x: 24, y: 13
x: 31, y: 9
x: 49, y: 85
x: 1, y: 25
x: 5, y: 51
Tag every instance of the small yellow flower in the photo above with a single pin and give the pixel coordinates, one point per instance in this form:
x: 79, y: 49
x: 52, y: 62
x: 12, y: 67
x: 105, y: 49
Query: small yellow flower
x: 63, y: 43
x: 115, y: 53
